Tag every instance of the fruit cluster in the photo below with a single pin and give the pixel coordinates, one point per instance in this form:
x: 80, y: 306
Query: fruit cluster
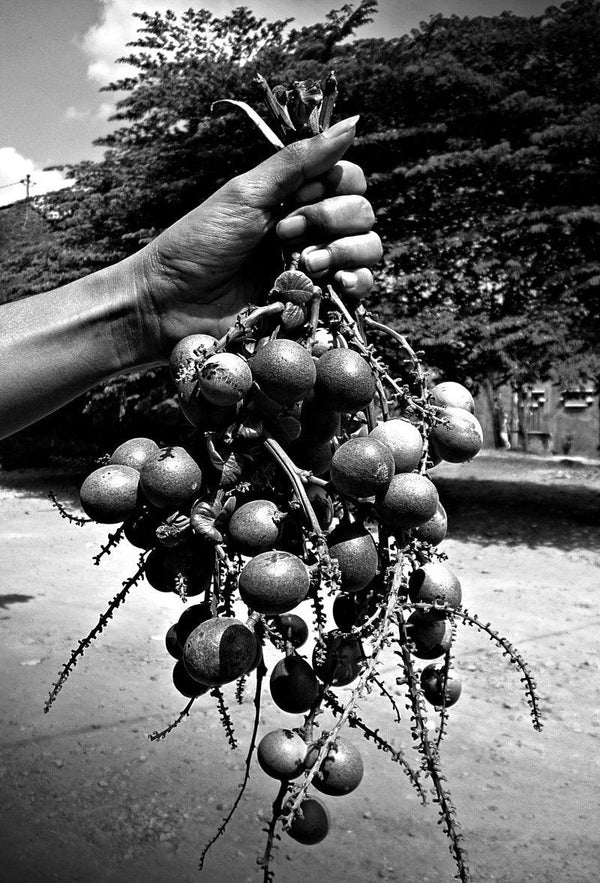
x: 303, y: 474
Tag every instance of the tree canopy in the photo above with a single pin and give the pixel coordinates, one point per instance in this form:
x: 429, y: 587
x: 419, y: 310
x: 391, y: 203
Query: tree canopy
x: 480, y: 137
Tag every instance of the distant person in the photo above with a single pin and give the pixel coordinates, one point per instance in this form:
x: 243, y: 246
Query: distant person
x: 195, y: 277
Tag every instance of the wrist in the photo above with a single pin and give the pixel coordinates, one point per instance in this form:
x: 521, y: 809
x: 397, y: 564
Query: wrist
x: 127, y: 319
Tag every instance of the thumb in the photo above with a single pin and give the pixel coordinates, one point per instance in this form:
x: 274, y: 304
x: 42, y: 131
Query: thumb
x: 274, y: 180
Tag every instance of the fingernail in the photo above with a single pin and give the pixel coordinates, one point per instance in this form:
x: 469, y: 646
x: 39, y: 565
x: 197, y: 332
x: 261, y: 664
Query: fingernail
x: 291, y: 228
x: 341, y: 128
x: 348, y: 280
x: 317, y: 260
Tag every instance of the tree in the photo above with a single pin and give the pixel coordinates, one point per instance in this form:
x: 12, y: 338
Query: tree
x: 480, y: 137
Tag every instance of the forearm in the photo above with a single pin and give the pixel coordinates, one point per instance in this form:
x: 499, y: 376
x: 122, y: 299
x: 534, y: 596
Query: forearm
x: 57, y: 345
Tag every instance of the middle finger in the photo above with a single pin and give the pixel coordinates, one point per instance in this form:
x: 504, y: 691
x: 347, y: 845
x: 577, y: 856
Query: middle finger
x: 328, y: 219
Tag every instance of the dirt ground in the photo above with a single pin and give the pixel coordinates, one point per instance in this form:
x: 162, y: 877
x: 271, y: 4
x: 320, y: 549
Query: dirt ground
x: 86, y: 797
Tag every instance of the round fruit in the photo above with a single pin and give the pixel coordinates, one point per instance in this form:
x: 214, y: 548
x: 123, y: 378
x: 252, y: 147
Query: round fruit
x: 434, y: 583
x: 194, y: 347
x: 342, y: 770
x: 362, y: 467
x: 190, y: 619
x: 171, y: 478
x: 318, y: 423
x: 291, y: 627
x: 281, y: 754
x: 404, y: 441
x: 225, y: 378
x: 313, y: 456
x: 355, y: 551
x: 174, y: 647
x: 134, y: 452
x: 294, y: 685
x: 344, y: 381
x: 201, y: 413
x: 351, y: 610
x: 185, y: 684
x: 338, y: 662
x: 140, y: 529
x: 313, y: 825
x: 274, y: 582
x: 430, y: 635
x: 110, y: 494
x: 189, y: 567
x: 255, y: 526
x: 432, y: 684
x: 410, y: 500
x: 458, y: 438
x: 452, y: 395
x: 321, y: 503
x: 284, y: 370
x: 219, y: 651
x: 434, y: 530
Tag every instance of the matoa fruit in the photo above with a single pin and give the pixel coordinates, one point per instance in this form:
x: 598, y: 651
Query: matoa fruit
x: 362, y: 467
x: 404, y: 441
x: 110, y: 493
x: 219, y: 650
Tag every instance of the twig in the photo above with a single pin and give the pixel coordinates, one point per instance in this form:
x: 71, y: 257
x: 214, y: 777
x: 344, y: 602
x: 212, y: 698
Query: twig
x: 98, y: 628
x: 260, y: 674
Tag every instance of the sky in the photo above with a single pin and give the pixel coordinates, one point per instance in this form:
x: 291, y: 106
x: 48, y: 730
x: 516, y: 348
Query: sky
x: 55, y: 56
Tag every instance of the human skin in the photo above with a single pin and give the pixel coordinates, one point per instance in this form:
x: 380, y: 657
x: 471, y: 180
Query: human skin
x: 195, y: 277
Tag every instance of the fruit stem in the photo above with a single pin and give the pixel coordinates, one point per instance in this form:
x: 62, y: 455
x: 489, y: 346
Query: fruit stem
x: 379, y: 642
x: 265, y: 862
x: 243, y: 325
x: 294, y: 475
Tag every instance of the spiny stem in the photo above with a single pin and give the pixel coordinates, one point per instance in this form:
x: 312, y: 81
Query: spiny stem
x: 64, y: 513
x: 161, y: 734
x: 364, y: 679
x: 515, y: 657
x: 396, y: 754
x: 431, y: 761
x: 98, y: 628
x: 113, y: 541
x: 217, y: 694
x: 277, y: 807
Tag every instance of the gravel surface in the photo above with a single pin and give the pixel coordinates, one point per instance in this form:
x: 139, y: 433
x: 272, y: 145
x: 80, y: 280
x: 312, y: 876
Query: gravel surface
x: 86, y: 797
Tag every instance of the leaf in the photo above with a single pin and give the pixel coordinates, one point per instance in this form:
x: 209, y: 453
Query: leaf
x: 256, y: 118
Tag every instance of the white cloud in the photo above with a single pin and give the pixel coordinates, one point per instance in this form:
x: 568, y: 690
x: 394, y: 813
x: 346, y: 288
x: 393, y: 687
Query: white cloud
x: 106, y: 41
x: 14, y: 168
x: 101, y: 113
x: 73, y: 113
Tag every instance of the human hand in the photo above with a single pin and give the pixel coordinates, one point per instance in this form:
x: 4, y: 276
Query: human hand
x: 202, y: 271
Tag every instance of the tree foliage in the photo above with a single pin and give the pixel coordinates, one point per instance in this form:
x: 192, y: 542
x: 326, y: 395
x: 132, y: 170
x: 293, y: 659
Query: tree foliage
x: 480, y: 137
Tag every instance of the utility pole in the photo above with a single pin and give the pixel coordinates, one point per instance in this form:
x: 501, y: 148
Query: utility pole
x: 28, y: 185
x: 27, y: 181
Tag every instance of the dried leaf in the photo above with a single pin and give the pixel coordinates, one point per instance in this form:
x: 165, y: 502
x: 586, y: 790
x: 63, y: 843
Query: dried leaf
x: 258, y: 121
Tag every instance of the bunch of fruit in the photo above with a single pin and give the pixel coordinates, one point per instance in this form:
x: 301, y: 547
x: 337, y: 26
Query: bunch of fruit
x: 303, y: 474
